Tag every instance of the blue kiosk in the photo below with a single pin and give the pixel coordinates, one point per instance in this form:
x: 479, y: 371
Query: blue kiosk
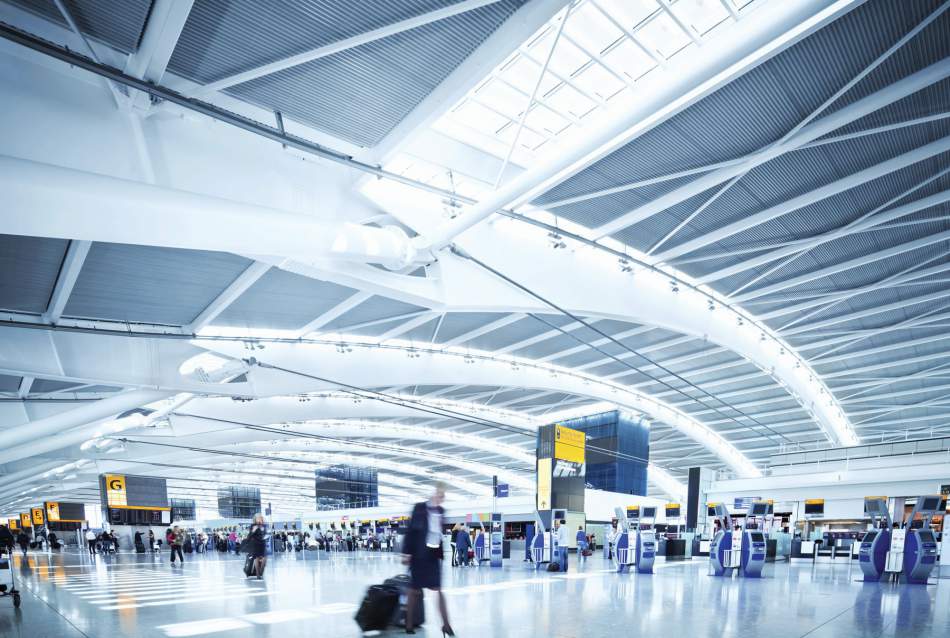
x: 872, y: 556
x: 725, y: 550
x: 753, y: 550
x: 635, y: 542
x: 920, y: 544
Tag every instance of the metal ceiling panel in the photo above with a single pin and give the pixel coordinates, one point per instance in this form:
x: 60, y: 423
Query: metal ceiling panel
x: 118, y: 23
x: 358, y: 94
x: 373, y: 309
x: 283, y: 300
x: 455, y: 324
x: 29, y: 267
x: 9, y: 383
x: 145, y: 284
x: 41, y: 386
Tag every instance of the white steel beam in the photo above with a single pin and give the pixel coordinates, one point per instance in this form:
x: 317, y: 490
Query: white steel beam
x: 336, y: 311
x: 854, y: 111
x: 829, y: 190
x: 406, y: 326
x: 857, y: 262
x: 228, y: 296
x: 508, y: 37
x: 340, y: 45
x: 760, y: 36
x: 166, y: 19
x: 25, y: 384
x: 68, y: 274
x: 482, y: 330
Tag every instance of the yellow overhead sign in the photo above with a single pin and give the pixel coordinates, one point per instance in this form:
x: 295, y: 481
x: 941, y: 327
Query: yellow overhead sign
x: 37, y: 515
x: 569, y: 444
x: 115, y: 490
x: 814, y: 501
x: 25, y: 520
x: 13, y: 523
x: 52, y: 512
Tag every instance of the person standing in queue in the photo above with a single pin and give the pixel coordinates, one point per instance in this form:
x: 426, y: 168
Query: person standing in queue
x: 422, y: 552
x: 151, y: 540
x: 256, y: 547
x: 581, y: 538
x: 462, y: 545
x: 563, y: 540
x: 91, y: 540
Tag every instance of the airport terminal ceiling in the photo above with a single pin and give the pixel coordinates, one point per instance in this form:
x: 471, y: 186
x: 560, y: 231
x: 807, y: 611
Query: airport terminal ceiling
x: 238, y: 244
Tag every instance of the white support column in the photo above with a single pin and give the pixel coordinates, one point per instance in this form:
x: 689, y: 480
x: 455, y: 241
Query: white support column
x: 69, y: 273
x: 228, y: 296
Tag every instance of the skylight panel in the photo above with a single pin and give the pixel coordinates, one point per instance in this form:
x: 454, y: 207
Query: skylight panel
x: 630, y: 60
x: 591, y: 29
x: 630, y: 13
x: 567, y: 99
x: 480, y: 118
x: 661, y: 33
x: 701, y: 15
x: 599, y: 81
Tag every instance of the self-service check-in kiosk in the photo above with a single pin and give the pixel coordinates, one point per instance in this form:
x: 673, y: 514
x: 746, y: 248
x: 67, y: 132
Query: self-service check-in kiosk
x: 920, y: 544
x: 753, y: 549
x: 645, y: 554
x: 497, y: 540
x: 725, y: 551
x: 872, y: 556
x: 625, y: 540
x: 544, y: 543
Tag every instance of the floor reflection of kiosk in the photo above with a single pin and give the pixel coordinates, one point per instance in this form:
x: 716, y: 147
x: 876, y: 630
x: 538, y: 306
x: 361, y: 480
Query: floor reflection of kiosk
x: 625, y: 540
x: 872, y: 557
x: 920, y: 544
x: 754, y: 545
x: 725, y: 551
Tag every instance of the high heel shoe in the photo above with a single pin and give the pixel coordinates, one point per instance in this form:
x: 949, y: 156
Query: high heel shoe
x: 447, y: 631
x: 410, y: 631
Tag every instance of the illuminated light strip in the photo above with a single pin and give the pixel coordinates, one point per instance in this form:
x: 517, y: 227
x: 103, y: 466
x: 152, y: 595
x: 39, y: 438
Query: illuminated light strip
x: 213, y: 625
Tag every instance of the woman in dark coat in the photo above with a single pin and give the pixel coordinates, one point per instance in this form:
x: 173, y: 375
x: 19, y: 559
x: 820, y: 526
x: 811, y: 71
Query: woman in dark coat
x: 422, y: 549
x: 256, y: 545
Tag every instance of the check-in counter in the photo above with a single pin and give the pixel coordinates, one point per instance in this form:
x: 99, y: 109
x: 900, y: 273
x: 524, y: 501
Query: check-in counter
x: 701, y: 547
x: 676, y: 549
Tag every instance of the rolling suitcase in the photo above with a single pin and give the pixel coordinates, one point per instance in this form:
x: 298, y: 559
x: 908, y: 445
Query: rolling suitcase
x: 377, y: 609
x: 401, y: 583
x: 249, y: 566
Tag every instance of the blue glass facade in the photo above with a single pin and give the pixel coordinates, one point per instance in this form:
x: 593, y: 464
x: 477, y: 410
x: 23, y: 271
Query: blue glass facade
x: 618, y: 450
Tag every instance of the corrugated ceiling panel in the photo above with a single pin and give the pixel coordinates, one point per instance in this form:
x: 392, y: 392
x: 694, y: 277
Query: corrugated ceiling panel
x: 9, y: 383
x: 359, y: 94
x: 455, y: 324
x: 118, y: 23
x: 51, y: 385
x: 372, y: 309
x: 29, y: 267
x: 283, y: 300
x: 150, y: 285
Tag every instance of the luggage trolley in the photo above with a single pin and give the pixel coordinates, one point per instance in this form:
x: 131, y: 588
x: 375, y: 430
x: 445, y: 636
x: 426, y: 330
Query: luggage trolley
x: 12, y: 591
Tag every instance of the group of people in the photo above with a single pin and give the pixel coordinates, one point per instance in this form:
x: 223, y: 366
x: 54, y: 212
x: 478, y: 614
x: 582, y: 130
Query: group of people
x: 462, y: 540
x: 102, y: 543
x: 8, y: 540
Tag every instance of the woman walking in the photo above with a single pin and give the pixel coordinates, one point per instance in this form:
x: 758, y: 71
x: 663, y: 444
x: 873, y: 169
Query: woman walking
x: 422, y: 549
x: 256, y: 547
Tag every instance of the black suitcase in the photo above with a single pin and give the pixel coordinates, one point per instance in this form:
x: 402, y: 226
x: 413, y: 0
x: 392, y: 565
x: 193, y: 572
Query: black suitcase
x: 401, y: 583
x: 554, y: 567
x: 249, y: 566
x: 378, y: 607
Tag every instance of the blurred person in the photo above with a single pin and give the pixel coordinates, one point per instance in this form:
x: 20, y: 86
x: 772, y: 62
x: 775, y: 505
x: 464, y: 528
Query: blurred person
x: 422, y: 552
x: 256, y: 545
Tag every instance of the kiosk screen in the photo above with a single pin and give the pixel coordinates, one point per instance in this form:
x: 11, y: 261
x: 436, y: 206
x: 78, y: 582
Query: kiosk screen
x: 814, y: 508
x: 926, y: 536
x: 870, y: 536
x: 757, y: 537
x: 759, y: 509
x: 931, y: 503
x: 649, y: 512
x: 710, y: 511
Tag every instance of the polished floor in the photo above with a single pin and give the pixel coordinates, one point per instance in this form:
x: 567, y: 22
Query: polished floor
x: 72, y: 595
